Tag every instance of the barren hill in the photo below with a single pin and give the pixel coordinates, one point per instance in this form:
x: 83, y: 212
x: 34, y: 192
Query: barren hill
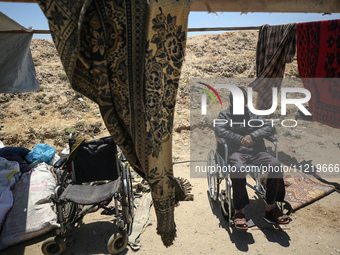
x: 49, y: 115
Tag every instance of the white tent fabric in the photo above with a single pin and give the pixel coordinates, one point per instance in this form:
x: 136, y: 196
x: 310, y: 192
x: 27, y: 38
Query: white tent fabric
x: 7, y: 24
x: 17, y: 70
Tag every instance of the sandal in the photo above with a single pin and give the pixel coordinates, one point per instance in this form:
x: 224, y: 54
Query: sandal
x: 240, y: 221
x: 276, y: 215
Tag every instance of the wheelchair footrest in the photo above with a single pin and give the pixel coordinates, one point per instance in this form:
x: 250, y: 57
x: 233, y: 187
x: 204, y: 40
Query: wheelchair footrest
x: 87, y: 195
x: 270, y: 221
x: 250, y: 223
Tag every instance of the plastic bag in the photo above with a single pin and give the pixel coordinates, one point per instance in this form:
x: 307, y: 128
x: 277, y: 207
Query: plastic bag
x: 41, y: 152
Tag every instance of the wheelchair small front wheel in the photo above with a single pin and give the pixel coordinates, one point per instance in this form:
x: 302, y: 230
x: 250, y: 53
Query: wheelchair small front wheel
x: 53, y: 246
x: 117, y: 242
x: 227, y: 214
x: 225, y: 210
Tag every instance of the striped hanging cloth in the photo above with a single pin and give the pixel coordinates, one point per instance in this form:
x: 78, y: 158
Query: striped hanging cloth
x: 275, y: 47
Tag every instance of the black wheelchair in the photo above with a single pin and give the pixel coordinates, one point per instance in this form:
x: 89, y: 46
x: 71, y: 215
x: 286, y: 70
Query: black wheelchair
x: 216, y: 162
x: 92, y: 175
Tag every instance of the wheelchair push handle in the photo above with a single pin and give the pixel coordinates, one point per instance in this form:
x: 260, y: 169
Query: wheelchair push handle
x: 60, y: 162
x: 271, y: 138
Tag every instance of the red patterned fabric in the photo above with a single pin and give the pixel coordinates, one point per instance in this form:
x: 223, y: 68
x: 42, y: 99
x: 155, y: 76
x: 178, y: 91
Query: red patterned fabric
x: 318, y: 56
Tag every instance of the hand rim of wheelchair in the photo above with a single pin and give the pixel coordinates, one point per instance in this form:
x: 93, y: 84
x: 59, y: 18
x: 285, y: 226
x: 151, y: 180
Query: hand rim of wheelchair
x: 213, y: 185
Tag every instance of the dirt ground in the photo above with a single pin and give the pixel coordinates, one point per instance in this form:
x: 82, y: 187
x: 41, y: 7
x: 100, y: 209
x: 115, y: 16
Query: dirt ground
x: 201, y: 228
x: 57, y: 110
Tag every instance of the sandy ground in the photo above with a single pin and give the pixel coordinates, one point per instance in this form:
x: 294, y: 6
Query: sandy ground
x: 201, y: 228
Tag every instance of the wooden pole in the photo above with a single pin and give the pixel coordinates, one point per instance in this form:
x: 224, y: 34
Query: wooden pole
x: 20, y: 1
x: 26, y: 32
x: 244, y: 6
x: 222, y: 28
x: 189, y: 30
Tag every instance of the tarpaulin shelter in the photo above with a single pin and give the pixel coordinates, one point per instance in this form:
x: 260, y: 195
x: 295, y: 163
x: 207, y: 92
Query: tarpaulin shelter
x: 17, y: 70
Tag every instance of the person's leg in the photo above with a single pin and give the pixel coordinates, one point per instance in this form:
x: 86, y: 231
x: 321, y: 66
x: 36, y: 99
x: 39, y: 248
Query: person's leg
x: 275, y: 190
x: 240, y: 195
x: 238, y: 179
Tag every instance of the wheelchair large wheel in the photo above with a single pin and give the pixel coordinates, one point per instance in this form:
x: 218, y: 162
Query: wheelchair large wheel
x: 53, y: 246
x: 117, y: 242
x: 213, y: 185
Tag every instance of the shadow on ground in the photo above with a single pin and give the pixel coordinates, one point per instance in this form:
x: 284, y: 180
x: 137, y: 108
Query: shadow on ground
x: 88, y: 238
x: 255, y: 211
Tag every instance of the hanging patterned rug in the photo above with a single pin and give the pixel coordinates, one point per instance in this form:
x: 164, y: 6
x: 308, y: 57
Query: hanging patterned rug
x: 318, y: 56
x: 127, y: 57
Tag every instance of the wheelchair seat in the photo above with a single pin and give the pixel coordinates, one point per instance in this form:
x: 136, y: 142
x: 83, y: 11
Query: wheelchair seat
x: 87, y: 194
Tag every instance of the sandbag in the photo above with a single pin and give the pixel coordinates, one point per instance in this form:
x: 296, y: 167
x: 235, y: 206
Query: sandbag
x: 6, y: 202
x: 32, y: 214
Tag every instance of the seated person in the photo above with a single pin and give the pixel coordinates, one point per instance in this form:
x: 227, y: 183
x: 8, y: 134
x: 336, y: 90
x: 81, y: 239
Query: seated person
x: 246, y: 146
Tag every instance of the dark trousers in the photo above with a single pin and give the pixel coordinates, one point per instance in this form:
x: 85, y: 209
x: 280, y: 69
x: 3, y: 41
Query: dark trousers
x: 275, y: 189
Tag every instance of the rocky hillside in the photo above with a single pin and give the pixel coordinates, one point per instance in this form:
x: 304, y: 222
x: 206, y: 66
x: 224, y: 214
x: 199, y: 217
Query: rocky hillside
x: 49, y: 115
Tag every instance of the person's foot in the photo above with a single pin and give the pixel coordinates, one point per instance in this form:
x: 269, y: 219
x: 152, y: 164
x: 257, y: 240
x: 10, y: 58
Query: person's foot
x: 240, y: 220
x: 275, y: 214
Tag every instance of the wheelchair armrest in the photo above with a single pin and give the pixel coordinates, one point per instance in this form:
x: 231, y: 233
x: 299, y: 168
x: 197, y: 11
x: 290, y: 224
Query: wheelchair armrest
x: 271, y: 138
x: 60, y: 162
